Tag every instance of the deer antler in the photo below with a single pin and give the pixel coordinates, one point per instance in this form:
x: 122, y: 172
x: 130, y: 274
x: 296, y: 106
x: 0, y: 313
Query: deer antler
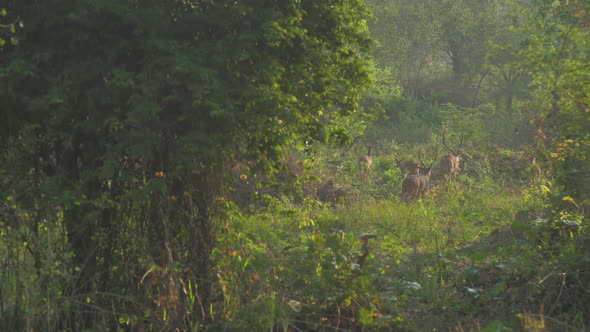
x: 435, y: 157
x: 460, y: 143
x: 422, y: 161
x: 420, y: 158
x: 446, y: 146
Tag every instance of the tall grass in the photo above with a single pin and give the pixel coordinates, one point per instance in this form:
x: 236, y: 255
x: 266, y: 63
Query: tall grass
x: 419, y: 262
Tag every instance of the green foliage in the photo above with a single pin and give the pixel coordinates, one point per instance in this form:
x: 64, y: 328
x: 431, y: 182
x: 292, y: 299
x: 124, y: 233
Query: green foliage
x: 304, y: 276
x: 127, y: 129
x: 439, y: 49
x: 387, y: 178
x: 416, y: 42
x: 8, y: 29
x: 119, y: 121
x: 556, y: 58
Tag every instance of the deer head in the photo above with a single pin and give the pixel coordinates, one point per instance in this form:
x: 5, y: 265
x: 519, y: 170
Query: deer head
x: 365, y: 162
x: 407, y: 167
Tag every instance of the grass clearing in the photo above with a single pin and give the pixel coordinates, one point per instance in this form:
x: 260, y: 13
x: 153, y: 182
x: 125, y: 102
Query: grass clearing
x: 451, y: 257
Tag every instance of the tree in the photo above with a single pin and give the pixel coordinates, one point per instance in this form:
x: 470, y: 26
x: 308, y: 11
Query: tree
x: 409, y: 36
x: 440, y: 46
x: 467, y: 29
x: 556, y: 57
x: 119, y: 118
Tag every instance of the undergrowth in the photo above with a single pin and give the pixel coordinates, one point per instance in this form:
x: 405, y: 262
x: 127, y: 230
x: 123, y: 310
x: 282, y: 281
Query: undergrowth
x: 458, y: 260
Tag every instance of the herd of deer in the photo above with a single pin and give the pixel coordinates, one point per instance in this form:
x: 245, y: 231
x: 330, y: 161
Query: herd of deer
x: 417, y: 176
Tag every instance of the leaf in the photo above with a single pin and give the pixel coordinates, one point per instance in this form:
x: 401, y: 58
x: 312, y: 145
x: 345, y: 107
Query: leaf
x: 569, y: 199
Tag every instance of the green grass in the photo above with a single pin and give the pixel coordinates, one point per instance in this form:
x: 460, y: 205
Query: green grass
x: 465, y: 258
x: 444, y: 258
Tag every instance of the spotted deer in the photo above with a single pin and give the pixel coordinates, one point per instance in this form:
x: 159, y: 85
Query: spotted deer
x: 450, y: 163
x: 416, y: 186
x: 365, y: 162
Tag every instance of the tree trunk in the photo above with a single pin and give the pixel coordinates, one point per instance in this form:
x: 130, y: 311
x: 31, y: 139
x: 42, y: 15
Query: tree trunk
x: 483, y: 76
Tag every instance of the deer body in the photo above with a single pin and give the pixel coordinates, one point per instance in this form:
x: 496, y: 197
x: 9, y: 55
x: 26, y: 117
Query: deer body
x: 450, y: 166
x: 365, y: 162
x: 537, y: 172
x: 451, y: 162
x: 415, y: 186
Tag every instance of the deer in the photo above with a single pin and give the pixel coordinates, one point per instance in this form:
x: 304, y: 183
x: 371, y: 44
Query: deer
x: 365, y: 162
x: 537, y: 171
x: 407, y: 167
x: 450, y: 163
x: 416, y: 186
